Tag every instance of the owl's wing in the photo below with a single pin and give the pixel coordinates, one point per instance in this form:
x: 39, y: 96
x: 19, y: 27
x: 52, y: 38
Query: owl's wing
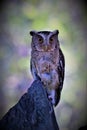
x: 34, y: 70
x: 61, y: 72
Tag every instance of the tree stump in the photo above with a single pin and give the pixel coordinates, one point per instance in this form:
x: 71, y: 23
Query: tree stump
x: 32, y: 112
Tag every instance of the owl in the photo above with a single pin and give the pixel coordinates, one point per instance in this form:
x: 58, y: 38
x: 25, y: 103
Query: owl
x: 48, y: 62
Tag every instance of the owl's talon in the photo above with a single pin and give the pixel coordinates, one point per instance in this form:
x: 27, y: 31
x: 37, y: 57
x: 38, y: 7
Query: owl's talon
x: 51, y: 99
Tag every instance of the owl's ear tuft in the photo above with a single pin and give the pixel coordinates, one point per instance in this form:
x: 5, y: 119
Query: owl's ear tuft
x: 32, y: 33
x: 56, y: 32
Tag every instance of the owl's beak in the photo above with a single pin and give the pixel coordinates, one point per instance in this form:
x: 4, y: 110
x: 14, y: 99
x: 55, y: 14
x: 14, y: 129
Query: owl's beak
x: 45, y: 48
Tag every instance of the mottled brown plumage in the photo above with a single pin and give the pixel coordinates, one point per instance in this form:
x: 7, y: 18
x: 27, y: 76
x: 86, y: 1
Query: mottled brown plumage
x: 46, y: 62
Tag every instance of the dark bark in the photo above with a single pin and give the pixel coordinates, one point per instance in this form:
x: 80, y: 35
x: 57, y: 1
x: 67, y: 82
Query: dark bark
x: 33, y: 111
x: 83, y: 127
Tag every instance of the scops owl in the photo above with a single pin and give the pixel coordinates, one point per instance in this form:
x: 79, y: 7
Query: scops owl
x: 47, y: 62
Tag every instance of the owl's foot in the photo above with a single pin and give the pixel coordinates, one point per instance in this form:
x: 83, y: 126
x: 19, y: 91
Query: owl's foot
x: 51, y: 99
x: 45, y: 83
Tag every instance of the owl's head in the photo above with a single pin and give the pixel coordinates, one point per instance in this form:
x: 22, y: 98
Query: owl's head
x: 45, y: 40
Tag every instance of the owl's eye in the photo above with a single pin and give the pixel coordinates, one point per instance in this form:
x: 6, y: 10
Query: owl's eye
x: 40, y: 40
x: 51, y: 40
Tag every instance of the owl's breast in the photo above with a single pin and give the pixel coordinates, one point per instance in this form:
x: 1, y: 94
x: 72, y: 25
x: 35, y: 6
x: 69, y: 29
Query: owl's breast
x: 52, y: 56
x: 46, y: 65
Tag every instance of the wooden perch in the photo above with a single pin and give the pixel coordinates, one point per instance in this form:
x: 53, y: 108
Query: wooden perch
x: 32, y: 112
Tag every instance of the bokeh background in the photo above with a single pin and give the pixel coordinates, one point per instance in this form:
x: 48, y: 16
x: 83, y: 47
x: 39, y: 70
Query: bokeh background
x: 17, y: 18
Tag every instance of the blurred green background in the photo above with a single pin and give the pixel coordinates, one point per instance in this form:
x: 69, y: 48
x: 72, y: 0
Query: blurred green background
x: 18, y: 17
